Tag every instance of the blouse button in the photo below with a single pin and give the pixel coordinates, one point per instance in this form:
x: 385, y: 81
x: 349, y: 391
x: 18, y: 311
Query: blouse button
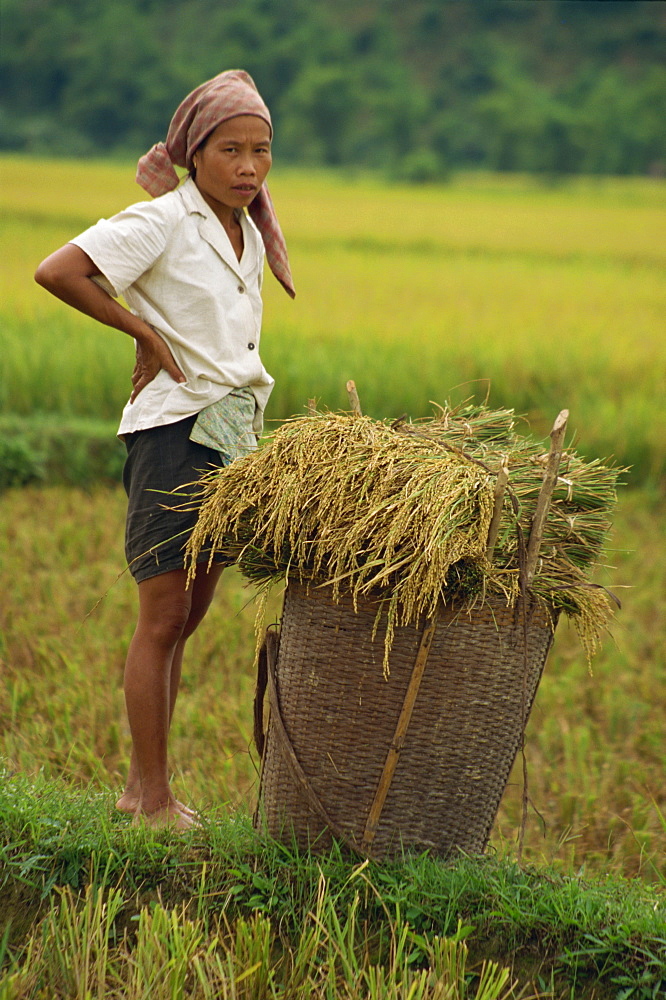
x: 241, y: 289
x: 250, y: 347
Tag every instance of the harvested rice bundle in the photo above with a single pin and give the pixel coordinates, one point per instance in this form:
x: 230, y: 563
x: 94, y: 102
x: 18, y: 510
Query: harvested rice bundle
x: 578, y: 522
x: 404, y: 510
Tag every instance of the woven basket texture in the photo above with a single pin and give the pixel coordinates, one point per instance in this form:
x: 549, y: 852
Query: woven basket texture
x: 340, y: 714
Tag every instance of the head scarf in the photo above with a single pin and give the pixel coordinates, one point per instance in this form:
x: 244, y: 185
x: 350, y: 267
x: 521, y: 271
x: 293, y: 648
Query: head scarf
x: 226, y: 96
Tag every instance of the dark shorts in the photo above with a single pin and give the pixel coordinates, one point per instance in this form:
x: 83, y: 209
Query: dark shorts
x: 161, y: 467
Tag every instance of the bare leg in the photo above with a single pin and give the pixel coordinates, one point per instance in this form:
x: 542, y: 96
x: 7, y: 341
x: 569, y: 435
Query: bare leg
x: 129, y: 800
x: 168, y: 615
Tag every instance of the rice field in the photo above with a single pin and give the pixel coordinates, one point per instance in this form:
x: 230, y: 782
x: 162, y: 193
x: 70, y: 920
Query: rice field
x: 596, y: 752
x: 535, y: 297
x: 542, y: 297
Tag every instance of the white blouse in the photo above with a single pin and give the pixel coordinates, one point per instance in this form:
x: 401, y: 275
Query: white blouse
x: 174, y: 265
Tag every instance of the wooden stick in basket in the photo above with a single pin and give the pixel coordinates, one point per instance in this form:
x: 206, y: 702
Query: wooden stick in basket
x: 545, y: 494
x: 398, y: 741
x: 354, y: 401
x: 500, y: 490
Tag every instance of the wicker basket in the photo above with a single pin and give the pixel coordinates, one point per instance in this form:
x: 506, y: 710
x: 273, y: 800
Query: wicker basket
x: 419, y: 760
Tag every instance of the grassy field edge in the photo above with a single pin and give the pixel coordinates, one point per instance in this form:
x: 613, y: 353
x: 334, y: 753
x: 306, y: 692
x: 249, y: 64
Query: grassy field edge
x: 51, y: 448
x: 568, y: 930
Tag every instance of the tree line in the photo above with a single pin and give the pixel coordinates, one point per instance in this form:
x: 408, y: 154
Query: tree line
x: 417, y: 89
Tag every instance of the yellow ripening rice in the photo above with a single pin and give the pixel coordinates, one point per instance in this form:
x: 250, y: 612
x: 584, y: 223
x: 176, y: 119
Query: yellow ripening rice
x: 403, y: 510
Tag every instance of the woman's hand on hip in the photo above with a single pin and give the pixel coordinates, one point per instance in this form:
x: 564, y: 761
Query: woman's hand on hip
x: 152, y: 355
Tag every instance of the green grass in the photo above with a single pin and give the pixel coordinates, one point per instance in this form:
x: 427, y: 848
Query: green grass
x: 298, y: 925
x: 77, y: 451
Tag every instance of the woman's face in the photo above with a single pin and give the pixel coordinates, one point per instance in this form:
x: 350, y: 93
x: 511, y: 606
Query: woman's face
x: 232, y: 164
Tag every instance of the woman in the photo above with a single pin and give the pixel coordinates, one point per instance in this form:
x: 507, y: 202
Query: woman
x: 189, y: 266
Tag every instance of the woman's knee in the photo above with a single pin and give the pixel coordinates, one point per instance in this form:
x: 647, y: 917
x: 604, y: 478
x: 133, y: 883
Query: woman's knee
x: 165, y: 624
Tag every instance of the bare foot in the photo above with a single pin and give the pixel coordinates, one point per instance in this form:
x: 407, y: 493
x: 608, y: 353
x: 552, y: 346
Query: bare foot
x: 129, y: 803
x: 187, y: 811
x: 169, y: 817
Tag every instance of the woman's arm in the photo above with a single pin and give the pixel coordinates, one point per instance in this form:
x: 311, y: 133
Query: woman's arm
x: 68, y: 274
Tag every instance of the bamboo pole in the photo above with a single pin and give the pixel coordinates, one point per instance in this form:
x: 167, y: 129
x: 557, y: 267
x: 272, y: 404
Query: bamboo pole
x: 545, y: 494
x: 354, y: 401
x: 398, y: 741
x: 500, y: 490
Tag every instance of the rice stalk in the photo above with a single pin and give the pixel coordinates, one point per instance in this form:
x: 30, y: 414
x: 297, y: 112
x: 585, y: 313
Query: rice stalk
x: 403, y: 510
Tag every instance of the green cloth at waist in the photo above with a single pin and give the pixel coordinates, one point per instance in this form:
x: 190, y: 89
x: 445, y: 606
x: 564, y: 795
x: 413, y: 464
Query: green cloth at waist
x: 226, y: 425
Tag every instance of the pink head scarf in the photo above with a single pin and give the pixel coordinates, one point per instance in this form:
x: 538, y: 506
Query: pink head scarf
x: 226, y: 96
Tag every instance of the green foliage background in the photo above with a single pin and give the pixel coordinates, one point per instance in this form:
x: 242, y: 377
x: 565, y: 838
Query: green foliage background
x: 418, y: 88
